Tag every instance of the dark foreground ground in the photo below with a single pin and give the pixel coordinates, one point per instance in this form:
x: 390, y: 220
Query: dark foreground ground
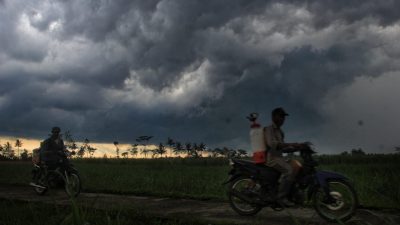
x: 202, y: 212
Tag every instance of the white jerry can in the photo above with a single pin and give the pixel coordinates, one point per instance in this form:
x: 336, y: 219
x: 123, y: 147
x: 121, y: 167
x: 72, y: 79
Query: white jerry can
x: 257, y: 140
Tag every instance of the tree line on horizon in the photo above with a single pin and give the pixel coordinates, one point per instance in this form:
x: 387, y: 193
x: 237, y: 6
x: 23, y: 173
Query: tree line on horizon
x: 170, y: 148
x: 8, y: 152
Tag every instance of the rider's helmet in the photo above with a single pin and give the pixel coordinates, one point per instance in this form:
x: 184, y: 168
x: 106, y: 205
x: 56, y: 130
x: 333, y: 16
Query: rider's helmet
x: 55, y: 130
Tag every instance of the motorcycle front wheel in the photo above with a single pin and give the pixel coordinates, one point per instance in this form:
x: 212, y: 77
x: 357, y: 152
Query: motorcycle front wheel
x: 247, y: 187
x: 73, y: 184
x: 342, y: 205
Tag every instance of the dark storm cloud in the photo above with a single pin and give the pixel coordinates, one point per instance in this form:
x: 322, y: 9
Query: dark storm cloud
x: 12, y: 44
x: 189, y: 69
x: 162, y: 36
x: 351, y: 11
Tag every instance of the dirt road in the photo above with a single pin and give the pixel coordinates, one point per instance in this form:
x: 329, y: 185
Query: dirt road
x: 210, y: 211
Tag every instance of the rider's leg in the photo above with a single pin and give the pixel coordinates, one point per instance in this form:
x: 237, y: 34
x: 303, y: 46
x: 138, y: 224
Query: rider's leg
x: 296, y: 166
x: 35, y: 174
x: 286, y: 179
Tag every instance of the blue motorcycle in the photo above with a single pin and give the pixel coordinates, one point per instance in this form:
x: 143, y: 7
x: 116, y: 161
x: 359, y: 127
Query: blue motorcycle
x: 252, y: 187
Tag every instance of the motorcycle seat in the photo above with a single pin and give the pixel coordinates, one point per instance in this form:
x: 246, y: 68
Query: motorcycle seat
x: 260, y: 168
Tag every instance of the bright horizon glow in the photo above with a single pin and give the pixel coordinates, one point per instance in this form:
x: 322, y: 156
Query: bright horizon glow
x: 102, y: 148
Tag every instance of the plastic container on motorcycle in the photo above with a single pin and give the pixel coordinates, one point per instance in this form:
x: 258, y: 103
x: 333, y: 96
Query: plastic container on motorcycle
x: 257, y: 143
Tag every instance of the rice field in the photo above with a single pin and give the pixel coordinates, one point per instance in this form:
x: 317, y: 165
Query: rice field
x: 377, y: 180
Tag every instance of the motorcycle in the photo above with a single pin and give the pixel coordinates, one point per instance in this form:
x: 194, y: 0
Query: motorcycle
x: 252, y: 187
x: 63, y: 175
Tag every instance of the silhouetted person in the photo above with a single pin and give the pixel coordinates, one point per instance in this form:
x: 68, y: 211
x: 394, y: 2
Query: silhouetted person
x: 52, y: 152
x: 274, y: 138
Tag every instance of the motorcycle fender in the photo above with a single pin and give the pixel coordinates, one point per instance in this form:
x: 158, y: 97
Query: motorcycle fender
x: 322, y: 178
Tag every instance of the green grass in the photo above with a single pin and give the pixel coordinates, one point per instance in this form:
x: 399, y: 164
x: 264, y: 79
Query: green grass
x: 177, y: 180
x: 377, y: 184
x: 22, y: 213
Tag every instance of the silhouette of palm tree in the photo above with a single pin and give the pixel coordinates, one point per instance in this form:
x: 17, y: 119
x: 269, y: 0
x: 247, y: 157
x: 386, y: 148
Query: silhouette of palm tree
x: 91, y: 150
x: 195, y: 149
x: 171, y: 144
x: 144, y: 151
x: 81, y: 151
x: 8, y: 151
x: 188, y: 148
x: 70, y: 142
x: 202, y: 148
x: 85, y: 147
x: 154, y: 152
x: 134, y: 150
x: 144, y: 139
x: 24, y: 155
x: 178, y: 148
x: 18, y: 144
x: 116, y: 148
x: 161, y: 149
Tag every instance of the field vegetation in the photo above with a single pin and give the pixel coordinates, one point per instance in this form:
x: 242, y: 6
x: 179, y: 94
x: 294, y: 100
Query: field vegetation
x: 172, y: 169
x: 33, y: 213
x: 376, y: 177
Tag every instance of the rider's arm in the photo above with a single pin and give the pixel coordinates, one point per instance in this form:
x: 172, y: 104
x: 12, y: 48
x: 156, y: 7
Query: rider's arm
x: 292, y: 147
x: 274, y: 144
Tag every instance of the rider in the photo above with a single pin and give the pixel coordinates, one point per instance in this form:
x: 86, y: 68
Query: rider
x: 274, y: 138
x: 52, y: 152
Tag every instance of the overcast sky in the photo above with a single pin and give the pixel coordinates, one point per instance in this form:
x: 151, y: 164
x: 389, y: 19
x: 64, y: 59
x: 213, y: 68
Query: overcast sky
x: 192, y: 70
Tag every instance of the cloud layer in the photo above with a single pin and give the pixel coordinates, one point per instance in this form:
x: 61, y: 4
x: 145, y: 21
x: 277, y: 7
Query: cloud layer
x: 115, y: 70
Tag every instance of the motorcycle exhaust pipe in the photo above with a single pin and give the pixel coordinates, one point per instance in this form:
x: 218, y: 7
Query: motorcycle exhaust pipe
x: 36, y: 185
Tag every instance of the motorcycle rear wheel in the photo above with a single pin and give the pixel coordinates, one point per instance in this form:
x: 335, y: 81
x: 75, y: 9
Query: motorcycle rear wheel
x: 39, y: 190
x: 40, y: 181
x: 240, y: 206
